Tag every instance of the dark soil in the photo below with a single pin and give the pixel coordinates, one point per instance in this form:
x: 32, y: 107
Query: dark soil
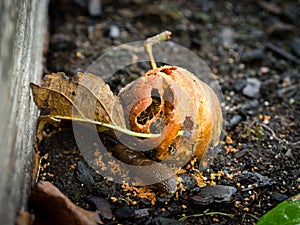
x: 260, y: 153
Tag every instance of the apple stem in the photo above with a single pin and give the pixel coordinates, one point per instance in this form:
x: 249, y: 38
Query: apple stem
x: 163, y: 36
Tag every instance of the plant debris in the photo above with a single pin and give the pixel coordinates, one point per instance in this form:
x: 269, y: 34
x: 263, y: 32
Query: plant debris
x: 52, y: 207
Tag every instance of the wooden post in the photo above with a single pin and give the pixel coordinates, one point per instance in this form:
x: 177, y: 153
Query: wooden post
x: 23, y: 27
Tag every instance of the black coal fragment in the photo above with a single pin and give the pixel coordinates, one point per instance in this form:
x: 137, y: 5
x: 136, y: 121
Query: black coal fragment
x: 211, y: 194
x: 166, y: 221
x: 250, y: 105
x: 240, y: 84
x: 235, y: 120
x: 125, y: 212
x: 256, y: 180
x: 84, y: 175
x: 252, y: 56
x: 295, y: 47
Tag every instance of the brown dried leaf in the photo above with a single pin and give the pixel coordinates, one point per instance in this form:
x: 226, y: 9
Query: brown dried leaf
x: 50, y: 206
x: 83, y: 96
x: 24, y: 218
x: 102, y: 205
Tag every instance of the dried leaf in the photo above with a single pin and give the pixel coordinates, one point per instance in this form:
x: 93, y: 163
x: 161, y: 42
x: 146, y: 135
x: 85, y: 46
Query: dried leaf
x: 83, y: 96
x: 24, y: 218
x: 102, y: 205
x: 52, y: 207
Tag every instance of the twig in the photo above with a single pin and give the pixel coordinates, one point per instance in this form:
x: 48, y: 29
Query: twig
x: 164, y: 36
x: 206, y: 214
x: 294, y: 143
x: 272, y: 132
x: 253, y: 216
x: 282, y: 53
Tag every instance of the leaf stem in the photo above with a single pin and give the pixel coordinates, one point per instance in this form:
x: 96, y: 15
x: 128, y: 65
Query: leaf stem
x: 111, y: 126
x: 163, y: 36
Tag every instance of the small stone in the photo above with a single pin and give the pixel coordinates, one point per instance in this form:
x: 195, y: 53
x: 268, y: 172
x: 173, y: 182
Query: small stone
x: 94, y: 7
x: 250, y: 105
x: 252, y: 56
x: 227, y: 36
x: 240, y: 84
x: 114, y: 31
x: 252, y: 87
x: 241, y: 66
x: 295, y: 47
x: 264, y: 69
x: 234, y: 121
x: 292, y: 101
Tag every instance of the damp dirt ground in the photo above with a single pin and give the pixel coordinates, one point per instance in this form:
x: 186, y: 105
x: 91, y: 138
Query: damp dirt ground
x: 252, y: 50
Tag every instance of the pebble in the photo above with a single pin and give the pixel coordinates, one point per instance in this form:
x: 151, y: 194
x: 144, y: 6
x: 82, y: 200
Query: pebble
x: 227, y: 36
x: 234, y: 121
x: 250, y: 105
x: 292, y: 101
x: 252, y: 87
x: 114, y: 31
x: 94, y: 7
x: 252, y: 56
x: 295, y: 47
x: 240, y: 84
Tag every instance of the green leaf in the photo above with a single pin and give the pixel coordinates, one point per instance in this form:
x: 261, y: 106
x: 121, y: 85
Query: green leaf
x: 286, y: 213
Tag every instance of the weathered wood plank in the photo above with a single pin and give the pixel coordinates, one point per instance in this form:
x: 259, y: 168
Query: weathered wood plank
x: 23, y: 28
